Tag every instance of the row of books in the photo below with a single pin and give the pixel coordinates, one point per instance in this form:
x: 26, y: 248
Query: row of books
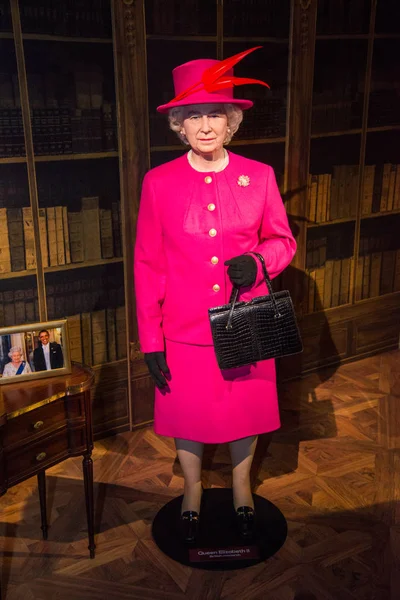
x: 383, y: 108
x: 98, y: 337
x: 192, y: 17
x: 90, y: 18
x: 332, y: 245
x: 381, y: 189
x: 260, y: 17
x: 342, y: 16
x: 334, y: 196
x: 66, y: 237
x: 78, y: 295
x: 64, y: 297
x: 329, y: 285
x: 59, y: 131
x: 336, y: 116
x: 377, y: 273
x: 18, y: 307
x: 14, y: 190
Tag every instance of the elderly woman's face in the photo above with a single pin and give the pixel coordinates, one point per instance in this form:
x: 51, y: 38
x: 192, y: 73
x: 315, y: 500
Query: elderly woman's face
x: 205, y: 127
x: 16, y: 357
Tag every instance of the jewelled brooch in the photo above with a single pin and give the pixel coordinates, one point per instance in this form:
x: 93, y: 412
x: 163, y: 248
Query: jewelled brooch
x: 243, y: 180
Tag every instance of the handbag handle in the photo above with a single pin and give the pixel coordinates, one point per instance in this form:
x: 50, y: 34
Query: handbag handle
x: 235, y: 292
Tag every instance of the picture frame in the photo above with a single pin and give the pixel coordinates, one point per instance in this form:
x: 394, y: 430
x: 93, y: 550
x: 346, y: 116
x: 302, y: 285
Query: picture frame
x: 34, y: 351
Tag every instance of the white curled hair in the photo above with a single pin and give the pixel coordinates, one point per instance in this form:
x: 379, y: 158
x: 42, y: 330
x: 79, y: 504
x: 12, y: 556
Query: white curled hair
x: 233, y: 112
x: 15, y: 349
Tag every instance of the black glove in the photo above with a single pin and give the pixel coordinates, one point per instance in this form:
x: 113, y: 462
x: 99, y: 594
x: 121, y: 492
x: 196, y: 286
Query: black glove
x: 158, y: 368
x: 242, y: 270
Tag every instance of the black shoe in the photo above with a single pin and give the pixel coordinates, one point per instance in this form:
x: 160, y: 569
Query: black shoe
x: 190, y: 526
x: 245, y: 518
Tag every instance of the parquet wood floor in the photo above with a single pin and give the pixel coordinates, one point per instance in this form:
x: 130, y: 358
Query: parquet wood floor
x: 333, y: 470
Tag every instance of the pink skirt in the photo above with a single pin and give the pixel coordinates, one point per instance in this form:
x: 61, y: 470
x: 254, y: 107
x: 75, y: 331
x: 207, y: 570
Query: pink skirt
x: 205, y: 404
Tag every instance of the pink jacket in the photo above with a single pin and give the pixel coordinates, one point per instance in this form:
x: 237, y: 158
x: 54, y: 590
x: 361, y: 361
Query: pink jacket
x: 189, y: 224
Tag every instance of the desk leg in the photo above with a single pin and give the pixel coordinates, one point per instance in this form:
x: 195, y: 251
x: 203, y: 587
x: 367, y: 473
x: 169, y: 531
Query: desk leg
x: 42, y: 497
x: 88, y: 479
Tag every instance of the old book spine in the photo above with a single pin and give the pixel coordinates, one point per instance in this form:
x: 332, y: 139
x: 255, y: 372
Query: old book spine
x: 44, y: 248
x: 16, y: 238
x: 387, y: 271
x: 106, y: 233
x: 367, y: 190
x: 337, y: 268
x: 87, y: 338
x: 5, y: 257
x: 99, y: 337
x: 121, y: 332
x: 91, y: 228
x: 60, y: 235
x: 345, y: 281
x: 392, y: 185
x: 29, y: 236
x: 111, y: 335
x: 75, y: 338
x: 52, y: 236
x: 327, y: 297
x: 75, y: 226
x: 67, y: 245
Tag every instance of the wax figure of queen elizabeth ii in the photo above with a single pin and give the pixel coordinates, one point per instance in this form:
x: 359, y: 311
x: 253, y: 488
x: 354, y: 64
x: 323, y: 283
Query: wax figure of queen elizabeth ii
x: 199, y: 216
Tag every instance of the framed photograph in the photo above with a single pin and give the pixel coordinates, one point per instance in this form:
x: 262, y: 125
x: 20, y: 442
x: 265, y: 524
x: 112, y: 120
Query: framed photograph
x: 34, y: 351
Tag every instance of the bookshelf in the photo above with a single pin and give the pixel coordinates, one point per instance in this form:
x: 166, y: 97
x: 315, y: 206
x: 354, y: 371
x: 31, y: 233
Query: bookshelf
x: 61, y: 252
x: 81, y: 86
x: 352, y: 271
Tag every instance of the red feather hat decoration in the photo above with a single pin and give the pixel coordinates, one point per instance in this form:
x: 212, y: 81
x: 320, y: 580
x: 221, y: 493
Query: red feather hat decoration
x: 209, y: 81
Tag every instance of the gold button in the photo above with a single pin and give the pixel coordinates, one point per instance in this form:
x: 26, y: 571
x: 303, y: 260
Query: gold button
x: 211, y: 207
x: 212, y: 232
x: 214, y: 260
x: 216, y: 287
x: 208, y: 179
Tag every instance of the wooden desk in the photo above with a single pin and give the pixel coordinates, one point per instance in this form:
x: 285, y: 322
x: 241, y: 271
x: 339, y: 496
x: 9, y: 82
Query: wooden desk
x: 42, y: 423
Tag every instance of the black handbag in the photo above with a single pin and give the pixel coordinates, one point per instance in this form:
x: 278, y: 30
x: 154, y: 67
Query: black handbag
x: 247, y: 332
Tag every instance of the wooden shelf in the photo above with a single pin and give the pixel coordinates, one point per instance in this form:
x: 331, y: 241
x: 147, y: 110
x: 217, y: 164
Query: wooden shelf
x: 316, y: 136
x: 86, y: 156
x: 56, y: 38
x: 271, y: 40
x: 389, y: 295
x: 280, y: 140
x: 181, y: 38
x: 384, y: 128
x: 323, y: 310
x: 276, y: 140
x: 334, y: 222
x: 109, y: 364
x: 63, y: 38
x: 387, y: 36
x: 12, y: 160
x: 83, y: 265
x: 57, y: 268
x: 382, y: 214
x: 342, y: 36
x: 16, y: 274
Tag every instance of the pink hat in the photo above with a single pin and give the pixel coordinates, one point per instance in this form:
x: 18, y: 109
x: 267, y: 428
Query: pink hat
x: 208, y: 81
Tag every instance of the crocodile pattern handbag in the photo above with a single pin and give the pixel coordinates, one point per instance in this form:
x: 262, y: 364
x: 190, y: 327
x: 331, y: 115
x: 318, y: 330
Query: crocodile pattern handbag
x: 247, y: 332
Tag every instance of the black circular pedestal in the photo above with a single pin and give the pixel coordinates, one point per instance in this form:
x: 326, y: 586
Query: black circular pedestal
x: 219, y: 546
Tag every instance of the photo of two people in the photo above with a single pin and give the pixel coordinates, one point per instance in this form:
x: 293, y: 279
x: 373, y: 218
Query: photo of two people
x: 31, y: 351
